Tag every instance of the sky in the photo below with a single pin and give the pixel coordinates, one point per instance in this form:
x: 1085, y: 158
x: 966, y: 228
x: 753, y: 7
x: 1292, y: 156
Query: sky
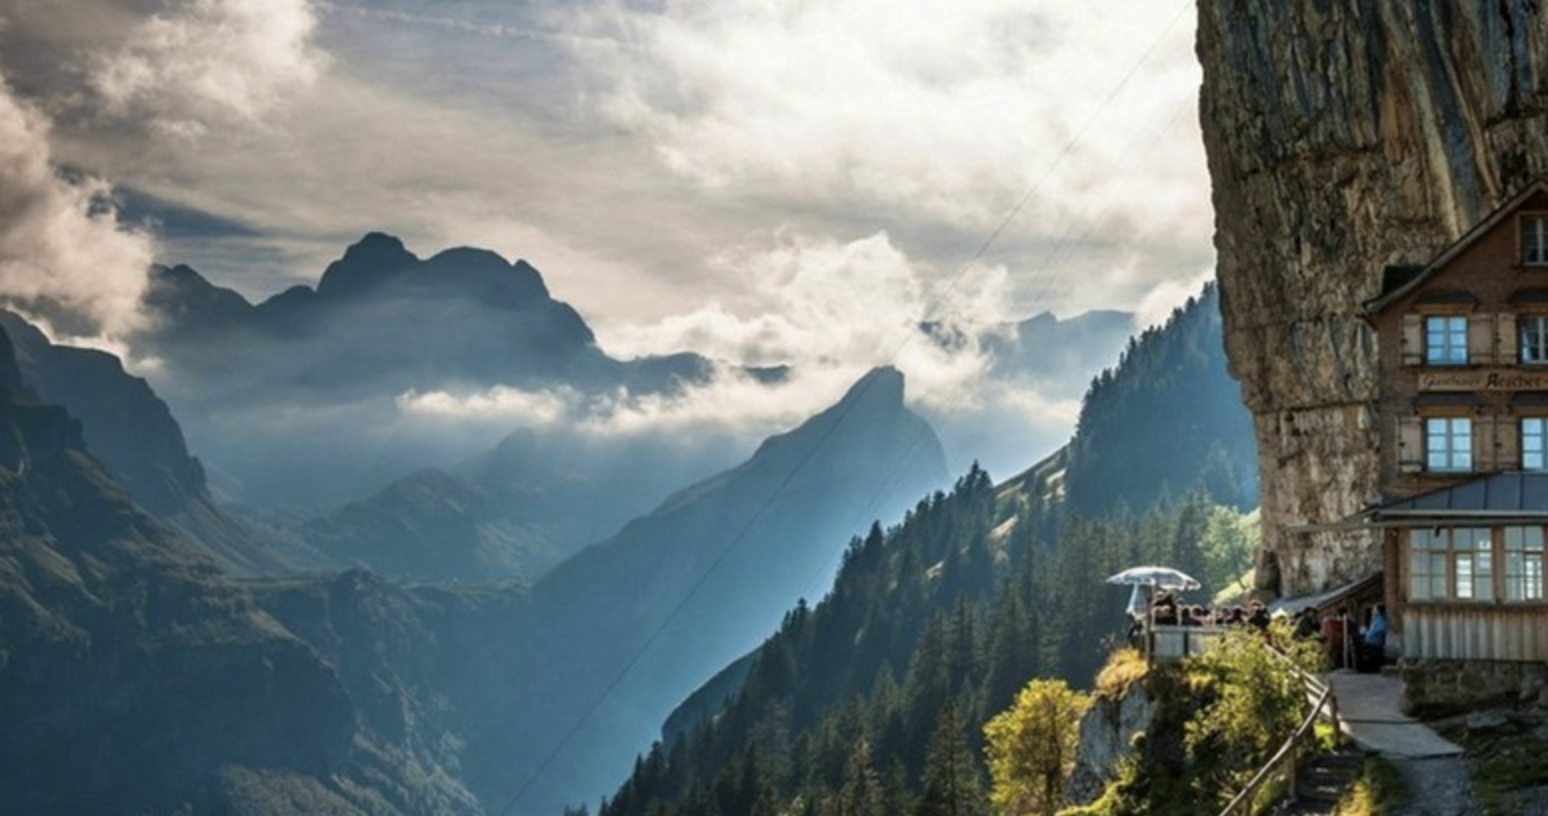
x: 766, y: 182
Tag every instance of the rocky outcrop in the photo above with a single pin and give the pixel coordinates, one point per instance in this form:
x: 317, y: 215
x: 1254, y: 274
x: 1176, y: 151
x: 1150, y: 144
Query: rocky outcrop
x: 1107, y: 734
x: 1344, y: 137
x: 124, y: 422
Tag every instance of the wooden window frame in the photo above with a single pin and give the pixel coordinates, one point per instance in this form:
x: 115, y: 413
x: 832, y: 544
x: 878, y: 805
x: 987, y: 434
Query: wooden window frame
x: 1530, y: 427
x: 1524, y: 581
x: 1532, y: 234
x: 1452, y: 452
x: 1451, y: 557
x: 1531, y: 322
x: 1442, y: 354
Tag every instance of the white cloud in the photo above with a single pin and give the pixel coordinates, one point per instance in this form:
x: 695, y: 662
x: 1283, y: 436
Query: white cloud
x: 211, y: 61
x: 1157, y: 304
x: 899, y: 105
x: 64, y: 259
x: 501, y: 405
x: 731, y: 405
x: 832, y: 311
x: 817, y: 301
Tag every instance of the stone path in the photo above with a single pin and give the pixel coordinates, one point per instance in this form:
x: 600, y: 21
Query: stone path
x: 1433, y: 769
x: 1369, y: 714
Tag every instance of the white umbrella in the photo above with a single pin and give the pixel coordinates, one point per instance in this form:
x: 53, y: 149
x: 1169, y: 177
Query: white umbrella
x: 1137, y: 605
x: 1154, y: 576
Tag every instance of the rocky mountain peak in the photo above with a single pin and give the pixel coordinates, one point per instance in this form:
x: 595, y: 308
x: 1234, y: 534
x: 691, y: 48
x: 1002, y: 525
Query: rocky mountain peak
x: 881, y: 387
x: 367, y: 262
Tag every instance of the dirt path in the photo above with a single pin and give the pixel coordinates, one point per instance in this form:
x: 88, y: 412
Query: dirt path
x: 1437, y: 786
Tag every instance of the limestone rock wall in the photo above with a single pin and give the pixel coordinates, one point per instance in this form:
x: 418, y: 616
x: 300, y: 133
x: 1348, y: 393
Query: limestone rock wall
x: 1344, y: 136
x: 1107, y: 733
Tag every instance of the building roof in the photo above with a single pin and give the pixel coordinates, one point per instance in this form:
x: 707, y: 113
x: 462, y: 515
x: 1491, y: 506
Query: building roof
x: 1511, y: 494
x: 1329, y: 598
x: 1398, y: 281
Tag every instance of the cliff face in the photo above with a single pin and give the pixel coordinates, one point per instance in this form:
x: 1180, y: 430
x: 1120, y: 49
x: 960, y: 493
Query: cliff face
x: 1344, y: 137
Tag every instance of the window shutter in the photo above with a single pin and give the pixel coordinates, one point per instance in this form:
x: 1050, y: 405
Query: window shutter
x: 1505, y: 332
x: 1410, y: 437
x: 1485, y: 443
x: 1507, y: 444
x: 1411, y: 344
x: 1480, y: 339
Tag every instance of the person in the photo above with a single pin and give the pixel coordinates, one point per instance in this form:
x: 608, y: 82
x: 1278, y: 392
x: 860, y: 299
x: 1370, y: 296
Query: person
x: 1165, y: 611
x: 1373, y: 646
x: 1306, y: 623
x: 1336, y: 635
x: 1258, y: 615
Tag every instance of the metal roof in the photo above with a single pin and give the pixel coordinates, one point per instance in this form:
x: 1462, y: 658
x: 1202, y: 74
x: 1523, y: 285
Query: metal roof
x: 1499, y: 495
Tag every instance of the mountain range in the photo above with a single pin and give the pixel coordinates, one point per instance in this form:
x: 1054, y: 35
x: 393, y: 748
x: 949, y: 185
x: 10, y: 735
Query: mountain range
x: 139, y: 679
x: 381, y: 324
x: 296, y: 407
x: 419, y: 681
x: 507, y: 662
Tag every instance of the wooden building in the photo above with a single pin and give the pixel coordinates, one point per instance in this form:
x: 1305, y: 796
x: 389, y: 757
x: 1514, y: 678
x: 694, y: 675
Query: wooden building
x: 1463, y: 411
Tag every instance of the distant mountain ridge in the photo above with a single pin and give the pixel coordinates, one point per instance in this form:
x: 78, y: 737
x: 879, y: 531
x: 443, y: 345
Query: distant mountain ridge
x: 1051, y: 350
x: 634, y: 624
x: 380, y: 325
x: 463, y: 316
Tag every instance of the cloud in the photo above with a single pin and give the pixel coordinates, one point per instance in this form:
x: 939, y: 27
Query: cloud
x: 831, y: 311
x: 902, y: 105
x: 805, y: 301
x: 65, y: 261
x: 1157, y: 304
x: 211, y: 61
x: 731, y: 405
x: 502, y: 405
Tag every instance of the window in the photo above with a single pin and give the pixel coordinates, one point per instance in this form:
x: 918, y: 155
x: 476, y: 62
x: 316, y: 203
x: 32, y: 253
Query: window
x: 1445, y: 339
x: 1533, y: 330
x: 1534, y: 443
x: 1451, y: 564
x: 1473, y: 554
x: 1448, y: 444
x: 1534, y: 240
x: 1523, y: 563
x: 1427, y: 565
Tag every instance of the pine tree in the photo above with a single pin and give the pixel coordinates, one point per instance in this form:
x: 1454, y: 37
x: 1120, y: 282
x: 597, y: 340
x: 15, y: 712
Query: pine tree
x: 862, y: 793
x: 952, y: 784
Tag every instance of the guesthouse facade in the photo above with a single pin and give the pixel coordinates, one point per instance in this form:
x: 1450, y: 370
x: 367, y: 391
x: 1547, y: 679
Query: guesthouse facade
x: 1462, y: 347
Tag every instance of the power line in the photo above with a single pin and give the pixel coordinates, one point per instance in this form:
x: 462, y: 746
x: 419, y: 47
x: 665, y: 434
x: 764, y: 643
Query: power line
x: 843, y: 410
x: 1045, y: 269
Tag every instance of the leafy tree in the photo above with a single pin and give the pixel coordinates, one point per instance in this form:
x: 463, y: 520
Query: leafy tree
x: 1228, y: 547
x: 1031, y: 748
x: 1252, y: 702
